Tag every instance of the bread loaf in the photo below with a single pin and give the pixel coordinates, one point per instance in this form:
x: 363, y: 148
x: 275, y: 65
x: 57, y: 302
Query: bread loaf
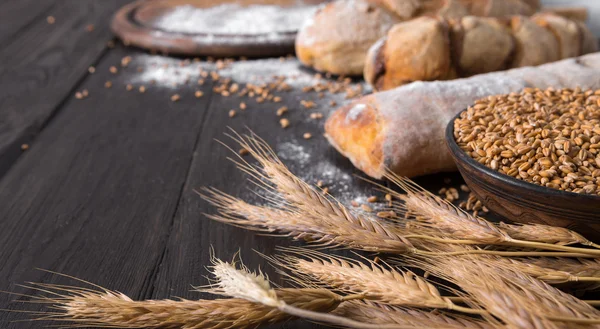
x: 338, y: 36
x: 476, y: 45
x: 403, y: 129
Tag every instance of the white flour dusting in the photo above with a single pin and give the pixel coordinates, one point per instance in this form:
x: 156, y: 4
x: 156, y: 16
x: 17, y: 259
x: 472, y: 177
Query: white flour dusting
x: 232, y: 19
x: 292, y: 152
x: 354, y: 112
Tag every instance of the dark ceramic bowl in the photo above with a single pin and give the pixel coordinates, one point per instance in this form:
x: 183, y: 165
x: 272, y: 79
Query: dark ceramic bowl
x: 523, y: 202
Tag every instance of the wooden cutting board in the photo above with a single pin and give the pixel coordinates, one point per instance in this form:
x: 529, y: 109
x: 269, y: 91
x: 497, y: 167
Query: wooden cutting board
x: 252, y: 28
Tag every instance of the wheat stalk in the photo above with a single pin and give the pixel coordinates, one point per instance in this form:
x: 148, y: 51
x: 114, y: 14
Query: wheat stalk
x: 112, y: 309
x: 331, y: 222
x: 454, y: 225
x: 514, y: 297
x: 385, y: 285
x: 252, y: 286
x: 545, y: 233
x: 366, y: 311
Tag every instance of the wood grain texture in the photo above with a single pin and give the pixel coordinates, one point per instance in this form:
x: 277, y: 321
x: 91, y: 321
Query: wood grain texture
x: 95, y: 195
x: 17, y: 15
x: 43, y: 64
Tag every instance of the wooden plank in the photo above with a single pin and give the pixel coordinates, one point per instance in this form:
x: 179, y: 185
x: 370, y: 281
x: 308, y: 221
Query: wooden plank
x: 41, y: 66
x: 17, y: 15
x: 96, y: 193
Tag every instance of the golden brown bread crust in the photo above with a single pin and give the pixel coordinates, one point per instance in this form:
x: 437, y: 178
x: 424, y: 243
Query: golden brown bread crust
x: 430, y: 60
x: 535, y: 45
x: 358, y: 131
x: 485, y: 45
x: 567, y: 33
x: 338, y: 36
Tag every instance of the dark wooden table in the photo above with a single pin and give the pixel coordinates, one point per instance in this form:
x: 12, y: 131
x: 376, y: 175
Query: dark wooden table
x: 105, y: 189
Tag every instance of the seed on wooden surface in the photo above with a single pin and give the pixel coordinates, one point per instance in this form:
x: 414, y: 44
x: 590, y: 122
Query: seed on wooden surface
x: 464, y: 188
x: 91, y: 69
x: 316, y: 115
x: 242, y: 106
x: 276, y: 99
x: 200, y: 82
x: 325, y: 190
x: 282, y: 110
x: 244, y: 151
x: 142, y: 89
x: 129, y: 87
x: 232, y: 113
x: 107, y: 84
x: 85, y: 93
x: 198, y: 94
x: 307, y: 104
x: 125, y: 61
x: 388, y: 197
x: 78, y: 95
x: 175, y: 98
x: 89, y: 27
x: 307, y: 135
x: 320, y: 183
x: 113, y: 70
x: 284, y: 122
x: 24, y: 147
x: 366, y: 208
x: 50, y: 19
x: 372, y: 199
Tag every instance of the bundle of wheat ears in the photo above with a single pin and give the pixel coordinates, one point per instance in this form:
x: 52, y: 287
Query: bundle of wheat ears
x: 496, y: 275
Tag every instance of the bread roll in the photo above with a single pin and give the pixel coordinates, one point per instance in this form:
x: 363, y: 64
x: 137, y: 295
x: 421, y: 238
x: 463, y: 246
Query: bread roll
x: 429, y: 61
x: 477, y: 45
x: 336, y: 39
x: 403, y: 129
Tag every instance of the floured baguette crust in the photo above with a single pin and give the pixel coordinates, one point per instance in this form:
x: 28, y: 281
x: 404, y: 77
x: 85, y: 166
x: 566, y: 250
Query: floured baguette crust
x: 336, y: 39
x: 403, y: 129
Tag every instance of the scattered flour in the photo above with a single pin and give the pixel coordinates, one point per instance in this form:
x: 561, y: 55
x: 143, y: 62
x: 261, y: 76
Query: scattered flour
x: 233, y: 19
x: 293, y: 152
x: 354, y: 112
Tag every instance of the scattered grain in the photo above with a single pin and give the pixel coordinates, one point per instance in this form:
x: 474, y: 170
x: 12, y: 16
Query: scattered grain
x: 244, y: 151
x: 91, y: 69
x: 372, y: 199
x: 129, y: 87
x: 175, y: 98
x: 281, y: 110
x: 326, y: 190
x: 232, y: 113
x: 113, y: 70
x: 366, y: 208
x: 108, y: 84
x: 142, y: 89
x: 198, y: 94
x: 307, y: 135
x: 242, y: 106
x: 284, y: 123
x: 51, y: 20
x: 24, y: 147
x: 89, y: 27
x: 316, y: 115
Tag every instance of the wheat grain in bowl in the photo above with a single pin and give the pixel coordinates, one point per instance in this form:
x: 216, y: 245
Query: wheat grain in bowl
x: 546, y: 137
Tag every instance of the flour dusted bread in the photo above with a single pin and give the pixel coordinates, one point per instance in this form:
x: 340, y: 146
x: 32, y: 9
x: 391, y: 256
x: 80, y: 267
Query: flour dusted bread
x: 403, y: 129
x: 338, y: 36
x: 476, y: 45
x: 336, y: 39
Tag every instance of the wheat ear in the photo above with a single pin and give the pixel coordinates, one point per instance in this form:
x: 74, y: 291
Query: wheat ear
x: 254, y: 287
x: 514, y: 297
x: 366, y: 311
x: 457, y: 226
x: 384, y: 285
x: 332, y: 223
x: 111, y: 309
x: 545, y: 233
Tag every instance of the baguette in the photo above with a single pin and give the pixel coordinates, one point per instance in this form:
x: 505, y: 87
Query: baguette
x: 403, y: 129
x: 338, y: 36
x: 476, y: 45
